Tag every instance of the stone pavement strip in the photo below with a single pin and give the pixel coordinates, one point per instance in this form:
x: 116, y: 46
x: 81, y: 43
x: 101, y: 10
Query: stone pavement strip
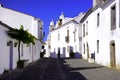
x: 53, y: 71
x: 34, y: 72
x: 64, y: 69
x: 77, y: 69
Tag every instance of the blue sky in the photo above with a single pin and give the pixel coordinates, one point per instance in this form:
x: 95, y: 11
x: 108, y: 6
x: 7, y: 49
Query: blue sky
x: 47, y: 10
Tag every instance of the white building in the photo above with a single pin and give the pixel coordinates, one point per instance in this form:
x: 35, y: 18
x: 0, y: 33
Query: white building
x: 64, y: 36
x: 9, y: 53
x: 101, y: 33
x: 6, y: 49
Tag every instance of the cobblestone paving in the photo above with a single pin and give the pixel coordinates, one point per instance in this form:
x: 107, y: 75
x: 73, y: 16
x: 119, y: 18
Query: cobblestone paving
x: 53, y: 71
x: 63, y: 69
x: 77, y: 69
x: 11, y: 75
x: 34, y: 71
x: 69, y: 72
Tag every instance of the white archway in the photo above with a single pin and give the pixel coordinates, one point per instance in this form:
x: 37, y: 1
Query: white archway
x: 112, y: 54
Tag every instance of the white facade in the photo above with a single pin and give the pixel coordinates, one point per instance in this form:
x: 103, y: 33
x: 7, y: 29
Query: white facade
x: 64, y: 36
x: 15, y: 19
x: 6, y: 50
x: 103, y: 34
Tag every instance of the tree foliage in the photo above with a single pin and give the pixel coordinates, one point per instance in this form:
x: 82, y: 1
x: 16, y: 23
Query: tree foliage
x: 22, y: 36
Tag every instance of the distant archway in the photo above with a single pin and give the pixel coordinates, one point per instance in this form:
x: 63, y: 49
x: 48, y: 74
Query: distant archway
x: 112, y: 54
x: 87, y: 51
x: 11, y: 56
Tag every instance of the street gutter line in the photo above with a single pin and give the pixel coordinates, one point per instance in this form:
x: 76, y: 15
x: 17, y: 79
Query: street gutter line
x: 61, y: 71
x: 44, y: 70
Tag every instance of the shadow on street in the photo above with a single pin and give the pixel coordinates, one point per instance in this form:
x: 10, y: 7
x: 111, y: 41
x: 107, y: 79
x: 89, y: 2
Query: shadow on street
x: 72, y: 73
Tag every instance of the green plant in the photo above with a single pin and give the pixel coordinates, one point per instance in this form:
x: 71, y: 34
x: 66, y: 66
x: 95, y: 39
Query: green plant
x: 20, y: 64
x: 22, y: 36
x: 8, y: 43
x: 15, y: 44
x: 6, y: 71
x: 72, y: 54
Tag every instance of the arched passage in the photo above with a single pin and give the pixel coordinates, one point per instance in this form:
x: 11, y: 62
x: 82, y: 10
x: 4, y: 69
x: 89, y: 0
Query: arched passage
x: 112, y: 54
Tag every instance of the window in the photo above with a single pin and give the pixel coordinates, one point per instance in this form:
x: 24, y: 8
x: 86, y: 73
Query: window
x: 67, y: 37
x: 74, y: 36
x: 67, y: 32
x: 97, y: 46
x: 84, y: 48
x: 86, y: 27
x: 83, y: 30
x: 98, y: 20
x: 113, y: 17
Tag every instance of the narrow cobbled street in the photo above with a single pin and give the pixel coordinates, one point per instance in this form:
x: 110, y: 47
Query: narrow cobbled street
x: 63, y: 69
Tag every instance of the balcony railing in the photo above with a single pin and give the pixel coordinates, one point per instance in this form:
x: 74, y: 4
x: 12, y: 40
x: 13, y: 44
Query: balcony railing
x: 67, y: 39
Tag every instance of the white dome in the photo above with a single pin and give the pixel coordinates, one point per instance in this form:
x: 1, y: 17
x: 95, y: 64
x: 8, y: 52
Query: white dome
x: 52, y: 22
x: 61, y: 16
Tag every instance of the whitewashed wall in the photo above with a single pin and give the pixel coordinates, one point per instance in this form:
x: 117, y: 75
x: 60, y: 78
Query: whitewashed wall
x: 91, y: 37
x: 61, y: 43
x: 107, y: 35
x: 104, y: 34
x: 15, y: 19
x: 5, y: 50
